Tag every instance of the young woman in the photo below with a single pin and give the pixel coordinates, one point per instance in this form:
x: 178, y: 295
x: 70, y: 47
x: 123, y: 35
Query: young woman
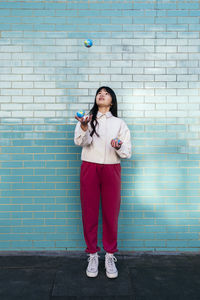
x: 104, y: 139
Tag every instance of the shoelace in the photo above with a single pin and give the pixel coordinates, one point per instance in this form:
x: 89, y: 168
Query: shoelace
x: 93, y: 260
x: 110, y: 260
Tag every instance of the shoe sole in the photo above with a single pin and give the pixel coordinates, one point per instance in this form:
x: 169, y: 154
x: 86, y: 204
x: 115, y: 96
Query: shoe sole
x: 110, y: 275
x: 89, y: 274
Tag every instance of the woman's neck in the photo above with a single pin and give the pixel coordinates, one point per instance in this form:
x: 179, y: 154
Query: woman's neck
x: 103, y: 110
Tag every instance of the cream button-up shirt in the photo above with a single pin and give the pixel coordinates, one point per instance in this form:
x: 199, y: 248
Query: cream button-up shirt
x: 98, y: 149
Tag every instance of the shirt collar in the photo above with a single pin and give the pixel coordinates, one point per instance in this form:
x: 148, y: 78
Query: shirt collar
x: 108, y: 114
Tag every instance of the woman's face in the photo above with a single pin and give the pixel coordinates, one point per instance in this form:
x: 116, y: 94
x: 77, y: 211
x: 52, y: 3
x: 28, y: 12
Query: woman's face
x: 103, y: 98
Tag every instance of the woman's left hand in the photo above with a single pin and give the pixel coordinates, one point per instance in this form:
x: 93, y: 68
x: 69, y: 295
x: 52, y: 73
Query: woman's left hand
x: 115, y: 144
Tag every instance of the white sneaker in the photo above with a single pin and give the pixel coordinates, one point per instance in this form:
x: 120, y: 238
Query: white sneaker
x: 92, y: 268
x: 111, y: 270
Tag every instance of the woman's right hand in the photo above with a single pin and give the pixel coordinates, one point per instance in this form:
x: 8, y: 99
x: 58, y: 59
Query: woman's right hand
x: 84, y: 121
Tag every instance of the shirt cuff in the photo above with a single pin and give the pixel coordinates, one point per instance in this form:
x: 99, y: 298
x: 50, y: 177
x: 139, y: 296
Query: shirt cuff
x: 121, y: 149
x: 83, y: 132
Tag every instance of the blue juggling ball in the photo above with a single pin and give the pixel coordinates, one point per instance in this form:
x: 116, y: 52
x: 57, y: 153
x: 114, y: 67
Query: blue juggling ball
x: 88, y: 43
x: 116, y: 139
x: 80, y: 114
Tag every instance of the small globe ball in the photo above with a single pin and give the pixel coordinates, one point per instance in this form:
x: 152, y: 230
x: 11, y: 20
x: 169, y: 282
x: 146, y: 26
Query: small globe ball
x: 80, y: 114
x: 88, y: 43
x: 117, y: 140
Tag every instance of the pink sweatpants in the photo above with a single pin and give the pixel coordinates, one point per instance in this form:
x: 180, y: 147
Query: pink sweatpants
x: 105, y: 180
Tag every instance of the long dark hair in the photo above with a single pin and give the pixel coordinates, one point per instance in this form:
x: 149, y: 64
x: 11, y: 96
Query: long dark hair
x: 94, y: 109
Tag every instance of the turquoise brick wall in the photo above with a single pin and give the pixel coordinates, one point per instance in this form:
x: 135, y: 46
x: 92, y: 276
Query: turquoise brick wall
x: 148, y: 52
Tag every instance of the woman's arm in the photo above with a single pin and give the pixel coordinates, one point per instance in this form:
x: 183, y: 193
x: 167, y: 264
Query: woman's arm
x: 82, y: 135
x: 124, y: 135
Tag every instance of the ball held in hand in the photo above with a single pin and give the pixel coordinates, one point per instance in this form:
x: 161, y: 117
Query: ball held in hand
x: 117, y: 140
x: 80, y: 114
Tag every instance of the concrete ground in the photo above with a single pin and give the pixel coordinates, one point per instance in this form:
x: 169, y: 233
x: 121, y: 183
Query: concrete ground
x: 61, y: 275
